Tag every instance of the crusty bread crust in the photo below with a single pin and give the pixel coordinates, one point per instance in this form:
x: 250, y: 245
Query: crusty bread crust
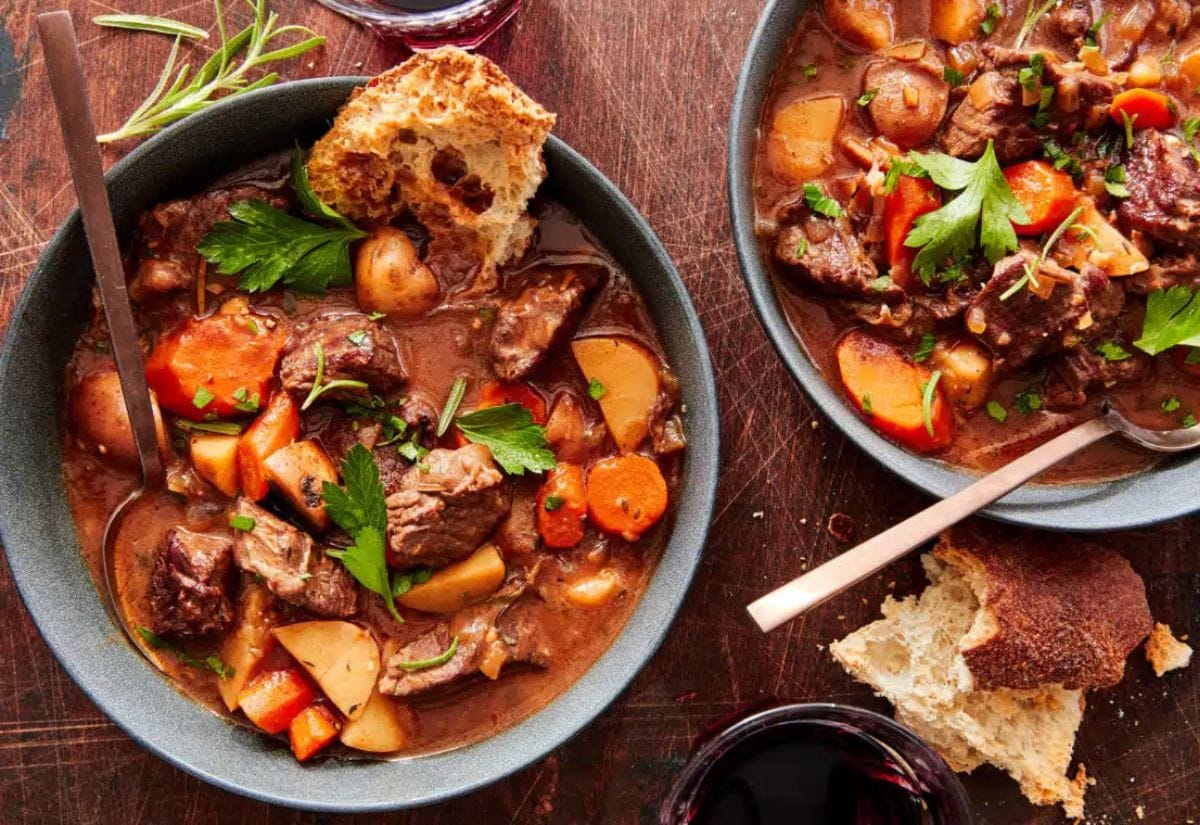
x: 1164, y: 652
x: 1052, y: 612
x: 449, y: 137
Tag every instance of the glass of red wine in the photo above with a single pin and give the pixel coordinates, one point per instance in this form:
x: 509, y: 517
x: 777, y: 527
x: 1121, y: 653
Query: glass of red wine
x: 817, y: 764
x: 427, y: 24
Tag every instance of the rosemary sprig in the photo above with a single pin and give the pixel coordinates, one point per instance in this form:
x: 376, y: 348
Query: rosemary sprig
x: 1033, y: 13
x: 178, y: 93
x: 149, y: 23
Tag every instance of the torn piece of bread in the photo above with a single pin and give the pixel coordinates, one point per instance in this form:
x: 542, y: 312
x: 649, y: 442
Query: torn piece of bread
x: 911, y: 657
x: 1164, y: 652
x: 449, y: 137
x: 1052, y: 612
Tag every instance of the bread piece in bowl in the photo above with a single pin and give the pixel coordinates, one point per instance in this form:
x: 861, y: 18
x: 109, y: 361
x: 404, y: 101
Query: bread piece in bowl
x: 1164, y: 652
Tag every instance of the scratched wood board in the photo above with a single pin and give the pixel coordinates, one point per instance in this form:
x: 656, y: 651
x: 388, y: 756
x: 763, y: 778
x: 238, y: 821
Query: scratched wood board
x: 643, y: 88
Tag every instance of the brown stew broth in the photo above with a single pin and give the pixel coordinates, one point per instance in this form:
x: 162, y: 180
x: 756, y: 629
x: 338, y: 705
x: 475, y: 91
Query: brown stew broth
x: 980, y: 443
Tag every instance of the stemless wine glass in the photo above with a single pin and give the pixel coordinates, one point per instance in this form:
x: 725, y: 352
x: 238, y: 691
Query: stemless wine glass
x: 427, y: 24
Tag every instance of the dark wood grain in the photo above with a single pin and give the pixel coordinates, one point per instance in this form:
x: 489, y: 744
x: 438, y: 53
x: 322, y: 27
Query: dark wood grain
x: 642, y: 87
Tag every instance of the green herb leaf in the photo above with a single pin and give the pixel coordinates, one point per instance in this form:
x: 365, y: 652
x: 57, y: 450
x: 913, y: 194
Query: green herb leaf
x: 1170, y: 404
x: 453, y: 400
x: 821, y: 203
x: 898, y: 168
x: 552, y: 503
x: 150, y: 23
x: 1061, y: 159
x: 202, y: 398
x: 1188, y: 421
x: 810, y: 71
x: 867, y: 407
x: 440, y: 659
x: 801, y: 247
x: 953, y: 77
x: 359, y: 337
x: 1172, y: 319
x: 1114, y: 181
x: 308, y: 199
x: 881, y: 283
x: 1193, y: 356
x: 508, y: 431
x: 927, y: 391
x: 1030, y: 77
x: 866, y: 97
x: 982, y: 214
x: 991, y: 18
x: 1093, y: 32
x: 996, y: 410
x: 243, y: 523
x: 212, y: 662
x: 1034, y: 12
x: 925, y: 347
x: 268, y: 246
x: 1128, y: 121
x: 218, y: 427
x: 1190, y: 127
x: 596, y: 390
x: 1112, y: 351
x: 1028, y: 402
x: 319, y: 388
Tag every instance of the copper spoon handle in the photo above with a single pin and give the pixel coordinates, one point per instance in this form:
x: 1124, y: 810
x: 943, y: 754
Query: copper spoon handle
x: 837, y: 574
x: 75, y: 117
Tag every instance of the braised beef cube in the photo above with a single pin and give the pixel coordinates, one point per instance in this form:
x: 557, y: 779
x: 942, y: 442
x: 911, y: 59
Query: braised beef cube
x: 1024, y: 325
x: 291, y: 565
x: 543, y: 311
x: 399, y: 681
x: 826, y: 254
x: 1164, y: 190
x: 170, y: 231
x: 354, y: 348
x: 1165, y: 272
x: 993, y: 110
x: 445, y: 507
x: 1071, y: 20
x: 517, y: 534
x: 1081, y: 369
x: 189, y: 588
x: 338, y: 433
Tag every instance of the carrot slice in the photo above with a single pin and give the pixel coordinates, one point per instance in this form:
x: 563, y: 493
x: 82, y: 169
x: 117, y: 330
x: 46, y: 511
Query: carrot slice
x: 626, y: 495
x: 1047, y: 194
x: 912, y: 198
x: 272, y: 699
x: 277, y: 427
x: 562, y: 507
x: 1146, y: 108
x: 215, y: 366
x: 311, y: 730
x: 888, y: 388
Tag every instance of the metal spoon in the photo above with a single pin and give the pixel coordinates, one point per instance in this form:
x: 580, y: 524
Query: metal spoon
x: 834, y: 576
x: 75, y: 117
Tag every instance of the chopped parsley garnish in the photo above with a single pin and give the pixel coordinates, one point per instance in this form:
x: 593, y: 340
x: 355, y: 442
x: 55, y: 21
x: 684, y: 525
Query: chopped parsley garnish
x: 218, y: 427
x: 991, y: 18
x: 981, y: 215
x: 996, y: 410
x: 359, y: 337
x: 359, y: 508
x: 866, y: 405
x: 319, y: 389
x: 1042, y: 116
x: 596, y: 390
x: 1028, y: 402
x: 404, y: 582
x: 881, y: 283
x: 394, y: 427
x: 1190, y: 127
x: 436, y: 661
x: 1114, y: 181
x: 810, y: 71
x: 213, y: 662
x: 1193, y: 356
x: 1112, y: 351
x: 900, y: 167
x: 453, y: 400
x: 1031, y: 271
x: 925, y: 347
x: 552, y: 503
x: 801, y: 247
x: 1030, y: 77
x: 821, y: 203
x: 953, y: 77
x: 1061, y: 159
x: 1170, y: 404
x: 202, y: 398
x: 866, y: 97
x: 508, y: 431
x: 927, y: 391
x: 246, y: 401
x: 242, y: 523
x: 1172, y: 318
x: 1188, y: 421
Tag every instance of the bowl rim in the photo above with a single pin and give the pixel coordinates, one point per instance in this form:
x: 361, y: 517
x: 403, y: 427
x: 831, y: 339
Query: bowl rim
x: 1141, y: 499
x: 102, y: 665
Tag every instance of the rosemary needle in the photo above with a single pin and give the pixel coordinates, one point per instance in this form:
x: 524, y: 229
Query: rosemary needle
x: 149, y: 23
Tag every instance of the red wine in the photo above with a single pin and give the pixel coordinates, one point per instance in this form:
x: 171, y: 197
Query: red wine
x: 823, y: 773
x: 421, y: 5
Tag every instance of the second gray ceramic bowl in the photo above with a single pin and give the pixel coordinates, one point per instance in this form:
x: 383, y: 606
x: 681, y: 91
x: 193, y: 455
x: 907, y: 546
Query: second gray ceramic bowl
x: 39, y: 535
x: 1169, y: 490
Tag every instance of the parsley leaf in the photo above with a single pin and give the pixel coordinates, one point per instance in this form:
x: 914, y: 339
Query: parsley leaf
x: 996, y: 410
x: 866, y: 97
x: 1112, y: 351
x: 881, y: 283
x: 1170, y: 404
x: 953, y: 77
x: 267, y: 246
x: 202, y: 398
x: 1188, y: 421
x: 982, y: 214
x: 991, y: 18
x: 308, y: 199
x: 1028, y: 402
x: 1190, y: 127
x: 242, y: 523
x: 899, y: 167
x: 925, y: 347
x: 1114, y: 181
x: 1062, y: 159
x: 596, y: 389
x: 1172, y: 318
x: 821, y: 203
x: 213, y: 662
x: 508, y: 431
x: 1093, y: 32
x: 810, y: 71
x: 552, y: 503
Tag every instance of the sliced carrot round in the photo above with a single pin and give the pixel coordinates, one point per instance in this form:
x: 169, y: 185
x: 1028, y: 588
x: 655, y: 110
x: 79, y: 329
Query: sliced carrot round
x: 626, y: 495
x: 1047, y: 194
x: 1144, y: 108
x: 562, y: 507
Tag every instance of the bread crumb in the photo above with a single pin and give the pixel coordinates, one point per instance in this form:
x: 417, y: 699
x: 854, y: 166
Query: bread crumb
x: 1140, y: 811
x: 1164, y: 652
x: 757, y: 514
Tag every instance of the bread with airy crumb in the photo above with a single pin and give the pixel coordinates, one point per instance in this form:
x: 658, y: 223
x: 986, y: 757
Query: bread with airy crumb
x: 447, y: 136
x: 1164, y: 652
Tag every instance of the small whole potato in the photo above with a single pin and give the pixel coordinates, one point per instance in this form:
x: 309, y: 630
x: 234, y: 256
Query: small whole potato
x: 101, y: 421
x: 389, y: 276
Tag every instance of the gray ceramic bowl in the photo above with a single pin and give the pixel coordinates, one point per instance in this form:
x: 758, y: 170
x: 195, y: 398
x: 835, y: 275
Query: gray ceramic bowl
x: 43, y: 552
x: 1169, y: 490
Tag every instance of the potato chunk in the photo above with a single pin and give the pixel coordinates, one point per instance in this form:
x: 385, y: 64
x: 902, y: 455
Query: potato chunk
x: 625, y: 377
x: 966, y: 371
x: 957, y: 21
x: 247, y: 645
x: 800, y: 140
x: 458, y: 585
x: 342, y: 658
x: 868, y: 24
x: 215, y: 459
x: 377, y: 729
x: 300, y: 471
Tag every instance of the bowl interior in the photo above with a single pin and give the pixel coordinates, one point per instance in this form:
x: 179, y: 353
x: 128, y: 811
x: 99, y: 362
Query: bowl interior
x: 1168, y: 490
x: 43, y: 552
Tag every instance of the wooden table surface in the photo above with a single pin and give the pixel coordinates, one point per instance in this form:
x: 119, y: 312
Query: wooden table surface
x: 643, y: 88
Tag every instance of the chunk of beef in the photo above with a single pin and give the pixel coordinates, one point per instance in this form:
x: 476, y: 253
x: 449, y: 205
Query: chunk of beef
x: 1164, y: 190
x: 445, y: 507
x: 827, y: 255
x: 1070, y: 20
x: 992, y: 110
x: 507, y: 628
x: 1165, y: 272
x: 1079, y: 370
x: 543, y: 310
x: 1024, y: 326
x: 517, y: 534
x: 189, y: 588
x: 291, y: 565
x: 354, y: 348
x: 168, y: 259
x: 338, y: 432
